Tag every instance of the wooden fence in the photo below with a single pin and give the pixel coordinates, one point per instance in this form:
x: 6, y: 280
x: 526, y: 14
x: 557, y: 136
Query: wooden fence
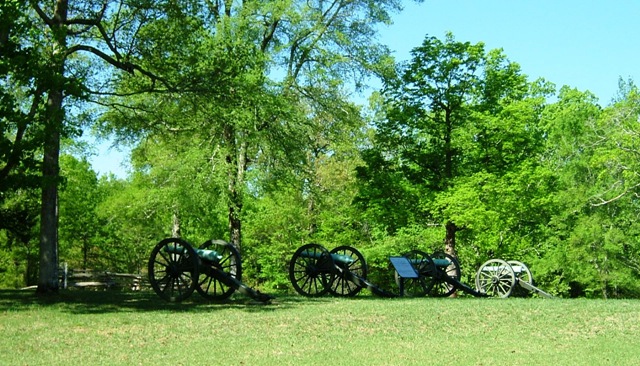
x: 87, y: 278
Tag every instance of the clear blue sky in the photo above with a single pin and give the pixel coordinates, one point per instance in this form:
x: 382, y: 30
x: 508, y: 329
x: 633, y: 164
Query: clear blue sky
x: 585, y: 44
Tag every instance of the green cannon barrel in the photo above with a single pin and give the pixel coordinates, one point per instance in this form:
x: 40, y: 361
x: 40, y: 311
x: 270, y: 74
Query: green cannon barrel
x: 206, y: 254
x: 337, y: 258
x: 438, y: 262
x: 441, y: 263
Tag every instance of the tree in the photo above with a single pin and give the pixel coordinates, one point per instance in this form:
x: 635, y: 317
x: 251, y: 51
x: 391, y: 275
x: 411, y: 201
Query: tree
x: 79, y: 35
x: 591, y: 247
x: 254, y: 78
x: 21, y: 104
x: 456, y: 124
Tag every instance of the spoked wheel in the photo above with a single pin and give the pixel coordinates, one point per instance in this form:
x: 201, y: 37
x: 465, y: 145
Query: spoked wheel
x: 219, y: 260
x: 523, y: 274
x: 173, y: 269
x: 495, y: 278
x: 311, y: 270
x: 348, y: 262
x: 446, y: 265
x: 423, y: 265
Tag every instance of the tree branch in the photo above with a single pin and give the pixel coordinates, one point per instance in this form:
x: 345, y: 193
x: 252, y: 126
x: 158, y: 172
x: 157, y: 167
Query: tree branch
x: 14, y: 157
x: 604, y: 202
x: 48, y: 21
x: 122, y: 65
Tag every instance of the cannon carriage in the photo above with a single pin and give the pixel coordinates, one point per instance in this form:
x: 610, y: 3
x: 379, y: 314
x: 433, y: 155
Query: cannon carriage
x: 316, y: 271
x: 438, y: 275
x: 500, y: 278
x: 177, y: 269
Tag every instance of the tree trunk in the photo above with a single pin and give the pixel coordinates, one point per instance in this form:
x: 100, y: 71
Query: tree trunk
x: 450, y: 243
x: 236, y: 165
x: 48, y: 276
x: 311, y: 200
x: 311, y: 211
x: 450, y: 239
x: 175, y: 228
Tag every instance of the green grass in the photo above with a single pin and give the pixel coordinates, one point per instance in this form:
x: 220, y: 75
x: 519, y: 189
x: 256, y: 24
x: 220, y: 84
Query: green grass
x: 113, y: 328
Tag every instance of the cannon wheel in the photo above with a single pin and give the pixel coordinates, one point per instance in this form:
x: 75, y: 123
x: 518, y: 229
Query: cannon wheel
x: 342, y: 285
x: 523, y: 275
x: 425, y: 268
x: 173, y: 269
x: 495, y: 278
x: 311, y: 270
x: 442, y: 288
x: 210, y: 286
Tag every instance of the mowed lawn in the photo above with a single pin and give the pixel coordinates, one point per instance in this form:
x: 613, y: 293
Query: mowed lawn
x: 116, y: 328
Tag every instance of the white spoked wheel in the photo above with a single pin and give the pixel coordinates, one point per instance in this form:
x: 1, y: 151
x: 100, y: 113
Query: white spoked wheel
x: 522, y: 275
x: 495, y: 278
x: 521, y: 271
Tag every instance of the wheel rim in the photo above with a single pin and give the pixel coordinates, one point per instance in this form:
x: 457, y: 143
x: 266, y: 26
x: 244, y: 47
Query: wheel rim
x: 495, y: 278
x: 311, y: 270
x: 522, y: 274
x: 423, y: 265
x: 342, y: 285
x: 441, y: 287
x: 210, y: 284
x: 521, y: 271
x: 173, y: 268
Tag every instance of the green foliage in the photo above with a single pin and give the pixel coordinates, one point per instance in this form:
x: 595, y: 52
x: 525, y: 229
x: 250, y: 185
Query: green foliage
x: 78, y: 200
x: 21, y: 98
x: 592, y: 246
x: 275, y: 226
x: 19, y: 238
x: 457, y: 138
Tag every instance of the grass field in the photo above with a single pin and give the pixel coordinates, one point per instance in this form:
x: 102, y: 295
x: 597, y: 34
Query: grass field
x: 114, y: 328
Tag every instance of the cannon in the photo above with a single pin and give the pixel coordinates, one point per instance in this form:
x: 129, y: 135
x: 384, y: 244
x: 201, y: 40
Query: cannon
x: 499, y: 278
x: 315, y: 271
x: 438, y: 275
x: 214, y: 270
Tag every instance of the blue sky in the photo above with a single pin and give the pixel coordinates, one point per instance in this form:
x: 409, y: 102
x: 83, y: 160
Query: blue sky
x: 585, y: 44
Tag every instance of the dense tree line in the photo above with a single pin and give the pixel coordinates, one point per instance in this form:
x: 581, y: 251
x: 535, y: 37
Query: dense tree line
x: 243, y: 127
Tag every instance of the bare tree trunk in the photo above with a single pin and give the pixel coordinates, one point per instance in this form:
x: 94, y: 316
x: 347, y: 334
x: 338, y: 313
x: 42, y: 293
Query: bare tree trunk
x: 48, y: 277
x: 311, y: 211
x: 175, y: 228
x: 311, y: 200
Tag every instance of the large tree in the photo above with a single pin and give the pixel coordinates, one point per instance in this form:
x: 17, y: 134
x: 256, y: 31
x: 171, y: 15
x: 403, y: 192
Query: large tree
x: 257, y: 78
x: 591, y: 247
x: 56, y: 53
x: 456, y: 118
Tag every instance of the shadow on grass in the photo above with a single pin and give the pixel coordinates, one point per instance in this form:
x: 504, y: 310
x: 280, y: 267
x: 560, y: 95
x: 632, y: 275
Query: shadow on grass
x: 87, y: 302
